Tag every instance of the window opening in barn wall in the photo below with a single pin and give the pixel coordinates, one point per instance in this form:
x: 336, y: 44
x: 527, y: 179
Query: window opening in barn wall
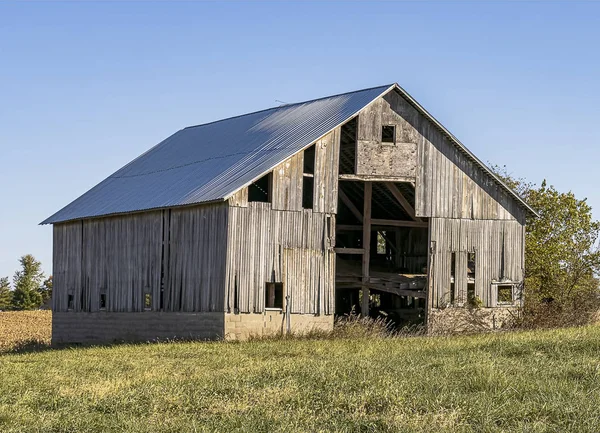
x: 274, y: 295
x: 472, y: 299
x: 236, y: 296
x: 388, y: 134
x: 260, y: 190
x: 308, y: 178
x: 147, y: 301
x: 505, y: 294
x: 471, y: 264
x: 102, y: 304
x: 70, y: 302
x: 452, y: 277
x: 381, y: 243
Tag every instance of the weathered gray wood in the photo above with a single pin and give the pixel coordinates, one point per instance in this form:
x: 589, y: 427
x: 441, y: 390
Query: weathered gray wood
x: 349, y: 250
x: 287, y: 184
x: 267, y: 245
x: 398, y: 223
x: 498, y: 246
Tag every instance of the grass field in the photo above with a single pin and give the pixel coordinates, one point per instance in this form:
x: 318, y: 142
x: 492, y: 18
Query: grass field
x: 521, y: 382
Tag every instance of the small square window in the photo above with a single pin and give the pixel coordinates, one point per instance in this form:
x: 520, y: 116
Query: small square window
x: 274, y: 295
x: 147, y: 301
x: 103, y: 301
x: 505, y: 294
x: 388, y: 134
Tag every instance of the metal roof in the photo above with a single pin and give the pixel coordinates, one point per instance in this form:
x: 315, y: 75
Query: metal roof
x: 210, y: 162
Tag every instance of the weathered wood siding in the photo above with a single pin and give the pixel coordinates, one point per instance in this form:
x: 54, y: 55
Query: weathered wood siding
x: 266, y: 245
x: 374, y: 158
x: 282, y: 242
x: 195, y: 276
x: 287, y: 184
x: 123, y: 257
x: 67, y: 263
x: 498, y: 247
x: 326, y: 172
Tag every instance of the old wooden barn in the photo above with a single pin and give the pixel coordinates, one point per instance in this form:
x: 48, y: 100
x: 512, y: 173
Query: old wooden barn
x: 281, y: 219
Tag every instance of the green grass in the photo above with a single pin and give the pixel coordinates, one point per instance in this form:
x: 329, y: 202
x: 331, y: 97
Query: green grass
x: 521, y: 382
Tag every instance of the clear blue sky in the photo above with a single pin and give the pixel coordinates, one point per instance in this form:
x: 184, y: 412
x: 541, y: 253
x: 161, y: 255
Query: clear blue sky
x: 86, y: 87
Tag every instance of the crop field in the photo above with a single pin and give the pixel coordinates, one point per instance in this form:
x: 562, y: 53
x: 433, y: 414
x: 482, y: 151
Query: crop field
x: 24, y: 328
x: 538, y: 381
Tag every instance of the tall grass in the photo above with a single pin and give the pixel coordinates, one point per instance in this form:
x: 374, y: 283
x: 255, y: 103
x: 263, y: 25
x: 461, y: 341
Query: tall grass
x: 534, y: 381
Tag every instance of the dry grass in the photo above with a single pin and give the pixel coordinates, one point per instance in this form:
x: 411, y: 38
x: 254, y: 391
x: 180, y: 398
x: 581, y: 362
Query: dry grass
x: 24, y: 328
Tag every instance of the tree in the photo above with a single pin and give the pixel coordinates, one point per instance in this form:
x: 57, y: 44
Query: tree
x: 562, y: 257
x: 6, y: 294
x: 46, y: 290
x: 27, y: 283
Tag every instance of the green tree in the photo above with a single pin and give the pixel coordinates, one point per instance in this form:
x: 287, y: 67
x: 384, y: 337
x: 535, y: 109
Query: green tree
x: 46, y: 290
x: 562, y: 257
x: 6, y: 294
x: 27, y: 283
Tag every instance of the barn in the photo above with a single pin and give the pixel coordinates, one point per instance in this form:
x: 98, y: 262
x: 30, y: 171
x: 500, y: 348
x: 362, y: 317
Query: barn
x: 278, y: 220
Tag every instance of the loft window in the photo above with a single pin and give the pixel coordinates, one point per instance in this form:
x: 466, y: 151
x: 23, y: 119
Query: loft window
x: 147, y: 301
x: 388, y: 134
x: 308, y: 180
x: 103, y: 301
x: 260, y: 190
x: 274, y: 295
x: 505, y: 294
x: 309, y: 160
x: 70, y: 302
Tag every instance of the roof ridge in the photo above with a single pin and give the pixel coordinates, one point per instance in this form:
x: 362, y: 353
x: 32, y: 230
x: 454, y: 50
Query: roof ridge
x: 288, y: 105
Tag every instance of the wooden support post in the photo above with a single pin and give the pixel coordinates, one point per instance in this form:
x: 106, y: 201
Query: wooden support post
x: 366, y: 247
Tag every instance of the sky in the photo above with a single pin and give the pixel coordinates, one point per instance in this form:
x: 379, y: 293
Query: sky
x: 85, y: 87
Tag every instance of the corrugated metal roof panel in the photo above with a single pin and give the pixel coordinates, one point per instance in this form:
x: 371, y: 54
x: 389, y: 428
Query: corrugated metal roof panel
x: 210, y: 162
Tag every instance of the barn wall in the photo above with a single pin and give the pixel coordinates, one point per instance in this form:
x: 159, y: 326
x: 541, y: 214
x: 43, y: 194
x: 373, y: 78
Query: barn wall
x: 195, y: 275
x: 375, y: 158
x: 448, y: 183
x: 266, y: 245
x: 124, y: 257
x: 498, y: 247
x: 282, y: 242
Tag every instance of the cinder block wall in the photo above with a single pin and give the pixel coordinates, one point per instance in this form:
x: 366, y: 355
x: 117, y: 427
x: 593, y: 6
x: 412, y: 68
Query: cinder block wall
x: 107, y: 327
x: 457, y: 320
x: 243, y: 325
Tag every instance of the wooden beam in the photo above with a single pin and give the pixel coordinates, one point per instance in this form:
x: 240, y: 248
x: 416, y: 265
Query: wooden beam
x: 368, y: 178
x: 402, y: 200
x: 349, y: 250
x: 349, y: 204
x: 366, y: 240
x: 399, y: 223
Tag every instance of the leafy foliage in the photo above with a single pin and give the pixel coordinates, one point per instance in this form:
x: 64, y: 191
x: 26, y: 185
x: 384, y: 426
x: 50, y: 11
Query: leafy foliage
x: 27, y: 283
x: 562, y: 257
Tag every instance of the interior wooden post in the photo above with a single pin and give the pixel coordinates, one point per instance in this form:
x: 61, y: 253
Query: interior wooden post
x: 366, y: 247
